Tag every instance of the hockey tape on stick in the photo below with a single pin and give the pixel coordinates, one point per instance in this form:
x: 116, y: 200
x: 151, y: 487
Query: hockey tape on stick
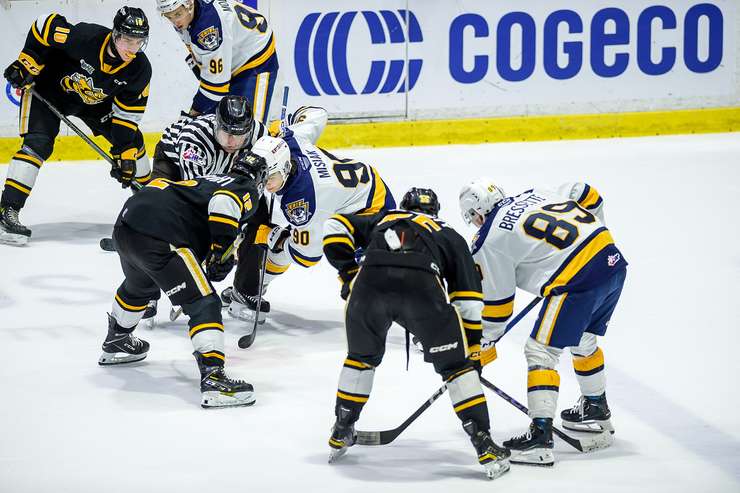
x: 588, y: 444
x: 387, y: 436
x: 79, y: 132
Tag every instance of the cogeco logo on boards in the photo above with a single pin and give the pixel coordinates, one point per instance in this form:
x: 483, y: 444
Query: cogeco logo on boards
x: 609, y: 38
x: 312, y: 48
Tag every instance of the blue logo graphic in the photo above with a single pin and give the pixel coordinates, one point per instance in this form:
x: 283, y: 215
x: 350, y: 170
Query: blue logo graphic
x: 13, y: 94
x: 335, y: 28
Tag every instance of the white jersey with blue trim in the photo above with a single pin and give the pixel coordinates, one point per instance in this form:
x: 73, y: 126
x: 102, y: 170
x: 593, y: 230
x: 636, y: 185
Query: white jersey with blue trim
x: 225, y: 38
x: 545, y: 242
x: 324, y: 185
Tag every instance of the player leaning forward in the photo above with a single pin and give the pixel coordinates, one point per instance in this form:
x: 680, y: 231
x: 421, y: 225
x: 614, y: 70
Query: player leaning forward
x: 312, y: 184
x: 162, y: 235
x: 232, y: 51
x: 408, y: 253
x: 553, y: 244
x: 88, y: 71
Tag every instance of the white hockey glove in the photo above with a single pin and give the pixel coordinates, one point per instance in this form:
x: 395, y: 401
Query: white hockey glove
x: 277, y: 237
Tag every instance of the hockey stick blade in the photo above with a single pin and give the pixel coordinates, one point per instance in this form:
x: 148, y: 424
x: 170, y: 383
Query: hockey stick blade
x: 175, y: 313
x: 247, y: 340
x: 387, y: 436
x: 107, y: 244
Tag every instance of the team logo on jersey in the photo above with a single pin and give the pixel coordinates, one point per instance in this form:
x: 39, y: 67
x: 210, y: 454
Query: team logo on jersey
x: 298, y: 211
x: 209, y: 38
x: 612, y: 260
x: 83, y: 86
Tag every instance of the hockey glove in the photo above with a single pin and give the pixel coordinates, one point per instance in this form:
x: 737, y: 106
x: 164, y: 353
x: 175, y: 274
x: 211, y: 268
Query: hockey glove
x: 124, y: 167
x: 277, y: 237
x: 193, y: 66
x: 18, y: 75
x: 346, y: 276
x: 482, y: 355
x: 217, y: 268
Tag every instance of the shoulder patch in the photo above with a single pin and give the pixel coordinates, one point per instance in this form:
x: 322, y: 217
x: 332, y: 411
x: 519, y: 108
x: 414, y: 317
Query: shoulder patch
x: 193, y: 154
x: 206, y: 28
x: 209, y: 38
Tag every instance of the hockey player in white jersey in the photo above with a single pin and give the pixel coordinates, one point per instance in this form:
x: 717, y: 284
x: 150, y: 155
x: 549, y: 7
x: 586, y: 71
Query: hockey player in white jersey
x: 312, y: 185
x: 232, y: 51
x: 551, y: 243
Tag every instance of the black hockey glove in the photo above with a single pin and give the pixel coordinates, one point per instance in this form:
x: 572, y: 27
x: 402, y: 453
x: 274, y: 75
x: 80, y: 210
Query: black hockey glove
x: 217, y: 268
x: 18, y: 75
x: 276, y: 238
x: 346, y: 276
x: 193, y: 66
x: 124, y: 167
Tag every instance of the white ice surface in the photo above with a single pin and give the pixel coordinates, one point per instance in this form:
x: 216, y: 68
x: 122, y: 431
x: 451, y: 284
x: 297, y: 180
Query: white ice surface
x: 67, y: 424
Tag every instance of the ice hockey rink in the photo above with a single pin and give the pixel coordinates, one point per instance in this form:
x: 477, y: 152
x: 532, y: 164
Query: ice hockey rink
x: 69, y: 425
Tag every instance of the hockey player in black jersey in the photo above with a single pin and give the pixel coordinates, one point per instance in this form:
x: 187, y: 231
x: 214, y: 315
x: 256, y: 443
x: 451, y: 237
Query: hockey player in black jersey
x: 408, y: 254
x: 85, y: 70
x: 163, y: 235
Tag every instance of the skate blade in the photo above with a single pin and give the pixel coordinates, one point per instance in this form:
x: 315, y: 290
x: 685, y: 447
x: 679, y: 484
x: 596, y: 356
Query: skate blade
x: 497, y: 468
x: 107, y: 359
x: 542, y: 457
x: 336, y: 453
x: 217, y: 400
x: 13, y: 239
x: 148, y: 323
x: 246, y: 315
x: 591, y: 426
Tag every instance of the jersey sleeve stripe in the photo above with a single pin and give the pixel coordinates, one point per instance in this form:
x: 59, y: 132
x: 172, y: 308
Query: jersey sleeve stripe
x: 225, y: 220
x: 328, y: 240
x: 591, y: 199
x: 218, y: 89
x: 345, y: 222
x: 129, y: 109
x: 233, y: 196
x: 469, y: 295
x: 124, y: 123
x: 257, y: 59
x: 303, y: 260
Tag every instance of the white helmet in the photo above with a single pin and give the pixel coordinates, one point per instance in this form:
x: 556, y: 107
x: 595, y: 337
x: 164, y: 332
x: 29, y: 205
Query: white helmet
x: 479, y: 196
x: 166, y: 6
x: 276, y: 153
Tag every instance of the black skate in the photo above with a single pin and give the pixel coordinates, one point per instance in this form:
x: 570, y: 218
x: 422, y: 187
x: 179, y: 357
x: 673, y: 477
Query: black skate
x: 12, y: 232
x: 343, y: 435
x: 493, y: 458
x: 590, y: 414
x: 219, y: 390
x: 149, y: 318
x: 121, y: 347
x: 244, y: 307
x: 535, y: 446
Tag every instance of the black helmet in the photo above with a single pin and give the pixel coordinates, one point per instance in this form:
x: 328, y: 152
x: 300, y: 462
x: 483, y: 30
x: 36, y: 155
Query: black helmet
x: 234, y: 116
x: 252, y: 166
x: 131, y: 21
x: 421, y: 200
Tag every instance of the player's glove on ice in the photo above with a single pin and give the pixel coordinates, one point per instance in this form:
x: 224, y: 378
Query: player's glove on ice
x: 18, y: 75
x: 124, y: 167
x: 276, y: 238
x: 217, y: 268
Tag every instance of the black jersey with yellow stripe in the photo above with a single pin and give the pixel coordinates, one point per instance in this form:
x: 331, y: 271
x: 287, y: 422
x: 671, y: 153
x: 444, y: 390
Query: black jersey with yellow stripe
x: 74, y: 68
x: 192, y: 213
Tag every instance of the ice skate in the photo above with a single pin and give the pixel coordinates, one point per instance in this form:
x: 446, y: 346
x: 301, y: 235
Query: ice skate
x: 534, y: 447
x: 589, y: 414
x: 149, y: 318
x: 12, y: 232
x: 343, y: 435
x: 244, y: 307
x: 219, y: 390
x: 121, y: 347
x: 493, y: 458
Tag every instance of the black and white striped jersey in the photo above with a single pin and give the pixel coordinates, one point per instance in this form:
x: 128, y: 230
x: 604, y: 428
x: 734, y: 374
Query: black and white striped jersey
x: 191, y: 144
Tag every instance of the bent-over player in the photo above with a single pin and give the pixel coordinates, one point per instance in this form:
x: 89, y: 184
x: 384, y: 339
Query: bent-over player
x: 408, y: 254
x: 162, y: 236
x: 552, y: 244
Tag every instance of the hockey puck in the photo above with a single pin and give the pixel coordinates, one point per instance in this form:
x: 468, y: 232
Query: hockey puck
x: 107, y: 245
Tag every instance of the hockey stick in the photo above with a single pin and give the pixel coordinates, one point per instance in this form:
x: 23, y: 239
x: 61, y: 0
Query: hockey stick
x: 588, y: 444
x: 387, y: 436
x: 247, y: 340
x: 175, y: 312
x: 79, y: 132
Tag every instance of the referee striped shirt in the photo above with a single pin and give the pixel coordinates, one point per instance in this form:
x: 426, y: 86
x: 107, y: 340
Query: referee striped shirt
x: 191, y: 144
